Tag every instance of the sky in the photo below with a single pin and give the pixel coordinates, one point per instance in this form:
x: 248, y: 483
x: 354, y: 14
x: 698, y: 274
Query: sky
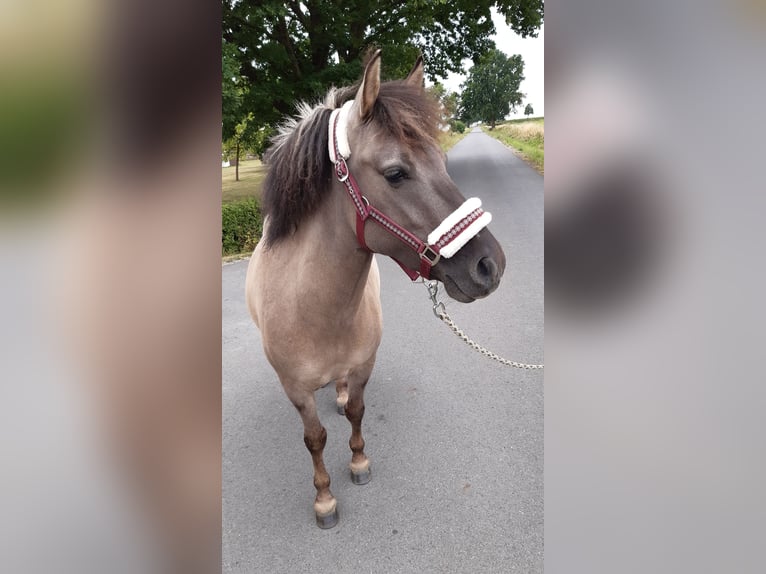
x: 532, y: 51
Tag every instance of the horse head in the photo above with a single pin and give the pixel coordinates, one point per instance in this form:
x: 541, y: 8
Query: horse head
x: 390, y: 134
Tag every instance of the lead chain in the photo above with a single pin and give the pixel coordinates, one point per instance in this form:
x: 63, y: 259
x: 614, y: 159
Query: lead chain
x: 441, y: 312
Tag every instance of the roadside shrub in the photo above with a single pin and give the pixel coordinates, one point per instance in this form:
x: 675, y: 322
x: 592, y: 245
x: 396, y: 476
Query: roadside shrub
x: 241, y: 226
x: 458, y: 126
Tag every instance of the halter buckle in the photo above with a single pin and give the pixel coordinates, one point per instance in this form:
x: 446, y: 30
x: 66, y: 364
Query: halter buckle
x: 430, y: 255
x: 341, y: 169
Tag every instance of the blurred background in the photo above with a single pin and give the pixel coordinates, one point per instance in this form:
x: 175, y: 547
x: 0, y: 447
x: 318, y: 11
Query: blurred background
x: 654, y: 395
x: 110, y: 402
x: 110, y: 131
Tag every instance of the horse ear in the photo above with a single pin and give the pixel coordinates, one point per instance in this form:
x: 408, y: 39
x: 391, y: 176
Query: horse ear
x: 368, y: 91
x: 415, y: 77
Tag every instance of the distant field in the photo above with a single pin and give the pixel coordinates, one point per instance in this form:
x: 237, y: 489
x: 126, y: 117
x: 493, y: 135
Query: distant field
x: 524, y: 120
x: 251, y: 175
x: 525, y: 136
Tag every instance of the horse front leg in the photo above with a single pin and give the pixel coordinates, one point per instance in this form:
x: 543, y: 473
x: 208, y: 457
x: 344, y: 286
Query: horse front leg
x: 315, y: 438
x: 360, y: 464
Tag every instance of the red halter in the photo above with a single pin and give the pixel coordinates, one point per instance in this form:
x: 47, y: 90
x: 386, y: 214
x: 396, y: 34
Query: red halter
x: 465, y: 222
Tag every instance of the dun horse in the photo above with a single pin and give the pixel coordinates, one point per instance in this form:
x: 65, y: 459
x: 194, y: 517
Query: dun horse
x: 360, y: 174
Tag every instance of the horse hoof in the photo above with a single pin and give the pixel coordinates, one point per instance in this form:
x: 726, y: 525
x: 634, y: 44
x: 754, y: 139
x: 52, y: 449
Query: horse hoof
x: 341, y: 409
x: 328, y: 520
x: 362, y: 477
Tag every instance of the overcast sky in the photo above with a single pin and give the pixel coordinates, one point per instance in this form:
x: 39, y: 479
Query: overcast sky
x: 532, y: 51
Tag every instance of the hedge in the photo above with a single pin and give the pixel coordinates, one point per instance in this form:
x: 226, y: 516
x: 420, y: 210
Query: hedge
x: 241, y: 226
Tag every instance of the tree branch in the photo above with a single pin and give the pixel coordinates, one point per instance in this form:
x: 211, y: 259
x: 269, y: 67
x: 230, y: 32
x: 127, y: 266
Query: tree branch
x: 295, y: 7
x: 284, y: 37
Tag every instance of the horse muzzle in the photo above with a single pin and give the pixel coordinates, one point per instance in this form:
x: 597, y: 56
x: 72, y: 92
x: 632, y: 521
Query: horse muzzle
x: 475, y: 271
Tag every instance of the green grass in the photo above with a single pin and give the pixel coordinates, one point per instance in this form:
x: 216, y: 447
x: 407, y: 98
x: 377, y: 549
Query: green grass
x: 527, y: 137
x: 251, y: 175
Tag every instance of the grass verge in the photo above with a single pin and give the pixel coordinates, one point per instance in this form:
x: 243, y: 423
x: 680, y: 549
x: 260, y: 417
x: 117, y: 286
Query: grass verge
x: 527, y: 137
x: 448, y: 139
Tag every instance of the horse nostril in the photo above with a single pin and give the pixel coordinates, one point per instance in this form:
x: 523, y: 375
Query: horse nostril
x: 486, y: 269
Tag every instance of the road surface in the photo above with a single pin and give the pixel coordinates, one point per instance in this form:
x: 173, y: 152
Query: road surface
x: 455, y: 440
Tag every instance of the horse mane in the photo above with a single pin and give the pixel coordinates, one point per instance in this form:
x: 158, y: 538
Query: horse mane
x: 300, y: 172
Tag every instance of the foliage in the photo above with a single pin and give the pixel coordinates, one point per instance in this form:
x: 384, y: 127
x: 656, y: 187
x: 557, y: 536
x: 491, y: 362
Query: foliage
x: 522, y: 16
x: 491, y: 91
x: 233, y: 89
x: 292, y: 51
x: 240, y: 130
x: 448, y: 101
x: 529, y: 110
x: 251, y: 140
x: 457, y: 126
x: 241, y: 226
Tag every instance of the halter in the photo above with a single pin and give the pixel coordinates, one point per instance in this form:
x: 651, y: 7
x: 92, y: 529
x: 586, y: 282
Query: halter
x: 457, y: 229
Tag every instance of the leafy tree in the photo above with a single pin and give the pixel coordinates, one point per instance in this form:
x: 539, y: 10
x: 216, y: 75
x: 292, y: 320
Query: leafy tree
x: 247, y: 136
x: 528, y: 110
x: 294, y: 50
x: 491, y: 90
x: 523, y: 16
x: 438, y: 91
x: 448, y: 101
x: 233, y: 89
x: 450, y: 104
x: 240, y: 131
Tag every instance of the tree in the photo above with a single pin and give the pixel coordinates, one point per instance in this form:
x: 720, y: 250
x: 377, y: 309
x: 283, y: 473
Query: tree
x: 240, y: 131
x: 448, y: 101
x: 243, y: 137
x: 528, y: 110
x: 491, y: 90
x: 233, y: 89
x: 292, y: 51
x: 450, y: 104
x: 237, y: 125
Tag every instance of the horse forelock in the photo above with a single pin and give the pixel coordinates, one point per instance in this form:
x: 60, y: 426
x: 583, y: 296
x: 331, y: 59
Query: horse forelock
x: 300, y: 171
x: 407, y: 113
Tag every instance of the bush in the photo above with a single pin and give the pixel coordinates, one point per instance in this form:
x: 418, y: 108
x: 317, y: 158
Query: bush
x: 241, y: 226
x: 457, y: 126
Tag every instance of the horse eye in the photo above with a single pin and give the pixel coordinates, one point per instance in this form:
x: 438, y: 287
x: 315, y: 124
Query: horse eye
x: 394, y: 175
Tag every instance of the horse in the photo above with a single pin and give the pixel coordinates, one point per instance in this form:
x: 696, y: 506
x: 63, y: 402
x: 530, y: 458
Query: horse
x: 313, y: 285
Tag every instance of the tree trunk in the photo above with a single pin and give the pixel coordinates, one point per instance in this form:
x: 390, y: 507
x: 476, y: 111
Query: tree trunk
x: 236, y: 166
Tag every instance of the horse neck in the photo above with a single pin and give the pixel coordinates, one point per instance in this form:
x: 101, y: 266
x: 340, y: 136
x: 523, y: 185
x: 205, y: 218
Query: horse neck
x: 331, y: 261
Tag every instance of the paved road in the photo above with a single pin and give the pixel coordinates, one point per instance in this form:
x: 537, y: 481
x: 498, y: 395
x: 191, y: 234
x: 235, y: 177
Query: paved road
x: 455, y: 441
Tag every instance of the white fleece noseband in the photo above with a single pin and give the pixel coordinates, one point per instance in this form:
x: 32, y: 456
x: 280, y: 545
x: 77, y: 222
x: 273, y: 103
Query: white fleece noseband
x: 458, y: 228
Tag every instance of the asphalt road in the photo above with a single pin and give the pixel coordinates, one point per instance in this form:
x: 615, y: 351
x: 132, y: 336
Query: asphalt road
x: 455, y: 440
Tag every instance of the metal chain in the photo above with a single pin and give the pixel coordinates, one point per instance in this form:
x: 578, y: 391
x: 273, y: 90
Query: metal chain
x: 441, y: 313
